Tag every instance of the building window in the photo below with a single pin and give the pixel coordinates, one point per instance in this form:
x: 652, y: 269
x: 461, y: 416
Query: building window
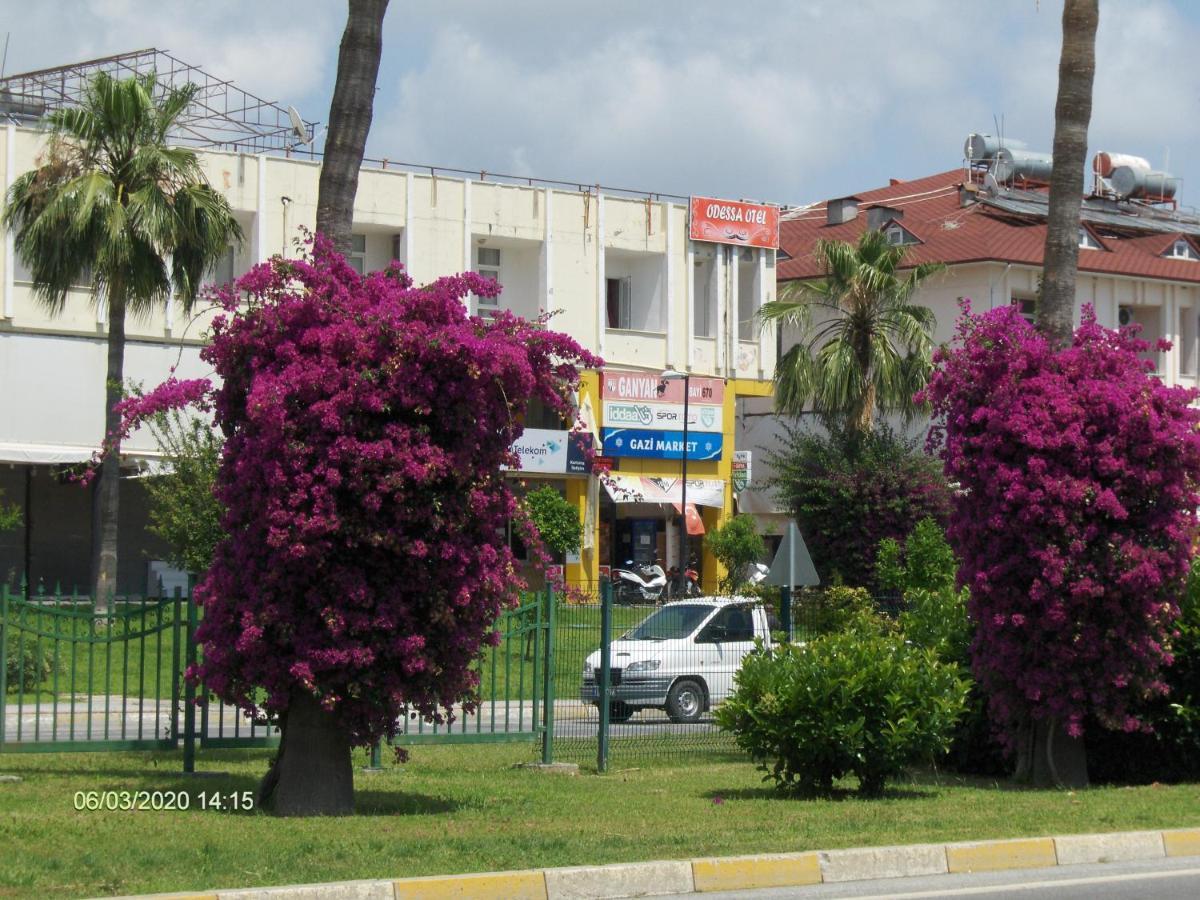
x: 899, y: 236
x: 221, y: 272
x: 357, y: 257
x: 487, y: 264
x: 1026, y: 307
x: 1181, y: 249
x: 747, y: 303
x: 704, y: 291
x: 1087, y: 241
x: 619, y: 301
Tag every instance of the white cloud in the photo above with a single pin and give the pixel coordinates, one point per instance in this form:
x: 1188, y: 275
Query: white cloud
x: 781, y: 99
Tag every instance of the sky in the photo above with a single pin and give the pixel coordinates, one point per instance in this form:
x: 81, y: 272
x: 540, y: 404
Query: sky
x: 786, y: 101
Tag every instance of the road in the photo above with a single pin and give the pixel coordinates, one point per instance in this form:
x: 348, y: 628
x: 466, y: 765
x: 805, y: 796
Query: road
x: 113, y: 717
x: 1159, y: 879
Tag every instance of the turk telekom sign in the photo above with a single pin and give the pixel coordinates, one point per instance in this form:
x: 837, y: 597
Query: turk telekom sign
x: 734, y: 222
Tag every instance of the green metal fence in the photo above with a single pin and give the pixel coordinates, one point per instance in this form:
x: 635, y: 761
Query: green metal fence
x: 73, y: 679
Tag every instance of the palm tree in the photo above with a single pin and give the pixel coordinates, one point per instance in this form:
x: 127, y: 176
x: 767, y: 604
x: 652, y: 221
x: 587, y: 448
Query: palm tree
x: 1046, y: 754
x: 864, y: 344
x: 1072, y: 114
x: 312, y: 773
x: 113, y: 206
x: 350, y: 113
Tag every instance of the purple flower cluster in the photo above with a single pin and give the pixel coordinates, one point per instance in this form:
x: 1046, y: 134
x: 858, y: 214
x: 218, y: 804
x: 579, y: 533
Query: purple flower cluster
x: 366, y: 422
x: 1079, y: 471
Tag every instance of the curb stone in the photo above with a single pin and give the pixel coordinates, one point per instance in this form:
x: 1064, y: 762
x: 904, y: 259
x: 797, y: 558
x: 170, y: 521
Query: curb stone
x: 665, y: 877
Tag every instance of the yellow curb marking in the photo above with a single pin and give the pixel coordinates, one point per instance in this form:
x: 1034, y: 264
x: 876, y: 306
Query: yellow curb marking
x: 1182, y: 843
x: 745, y: 872
x: 491, y: 886
x: 1031, y: 853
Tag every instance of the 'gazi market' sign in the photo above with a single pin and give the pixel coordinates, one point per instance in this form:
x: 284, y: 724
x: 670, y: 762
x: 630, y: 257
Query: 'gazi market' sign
x: 734, y: 222
x: 639, y: 421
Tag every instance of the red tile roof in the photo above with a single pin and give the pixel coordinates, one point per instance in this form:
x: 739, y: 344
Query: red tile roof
x: 953, y: 234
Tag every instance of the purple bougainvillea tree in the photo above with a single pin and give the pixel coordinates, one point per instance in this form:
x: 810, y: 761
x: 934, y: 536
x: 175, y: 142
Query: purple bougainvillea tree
x: 366, y: 422
x: 1079, y: 471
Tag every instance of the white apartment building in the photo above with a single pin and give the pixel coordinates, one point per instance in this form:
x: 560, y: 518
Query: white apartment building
x: 619, y: 269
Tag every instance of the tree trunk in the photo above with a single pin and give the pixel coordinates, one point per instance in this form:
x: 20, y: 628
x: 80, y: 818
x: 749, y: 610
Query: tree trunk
x: 107, y: 494
x: 1072, y: 113
x: 1059, y: 760
x: 312, y: 774
x: 350, y: 119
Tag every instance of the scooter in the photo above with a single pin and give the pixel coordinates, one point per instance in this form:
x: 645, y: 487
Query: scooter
x: 638, y: 584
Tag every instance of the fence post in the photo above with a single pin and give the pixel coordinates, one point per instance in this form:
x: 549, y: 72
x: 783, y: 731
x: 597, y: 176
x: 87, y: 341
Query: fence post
x: 785, y: 612
x: 605, y: 674
x: 176, y: 649
x: 189, y: 688
x: 3, y: 658
x: 548, y: 681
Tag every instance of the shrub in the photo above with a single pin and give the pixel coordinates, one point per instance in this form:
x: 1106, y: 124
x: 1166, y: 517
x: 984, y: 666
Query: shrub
x: 736, y: 545
x: 849, y: 491
x: 183, y: 510
x: 861, y: 702
x: 27, y: 661
x: 556, y: 520
x: 935, y: 617
x: 830, y: 610
x: 10, y: 515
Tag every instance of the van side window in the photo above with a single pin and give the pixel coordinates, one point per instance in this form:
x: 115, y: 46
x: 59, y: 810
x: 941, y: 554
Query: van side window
x: 734, y: 623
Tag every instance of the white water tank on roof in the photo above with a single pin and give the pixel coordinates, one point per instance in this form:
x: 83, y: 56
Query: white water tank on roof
x: 1027, y: 164
x: 1104, y: 162
x: 1128, y: 181
x: 985, y: 146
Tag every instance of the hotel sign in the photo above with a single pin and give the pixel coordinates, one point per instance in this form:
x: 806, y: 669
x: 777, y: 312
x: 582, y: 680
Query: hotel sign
x: 734, y: 222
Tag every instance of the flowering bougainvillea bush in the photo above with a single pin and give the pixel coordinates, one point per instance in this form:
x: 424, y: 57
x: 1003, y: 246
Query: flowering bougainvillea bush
x: 1079, y: 470
x: 366, y: 422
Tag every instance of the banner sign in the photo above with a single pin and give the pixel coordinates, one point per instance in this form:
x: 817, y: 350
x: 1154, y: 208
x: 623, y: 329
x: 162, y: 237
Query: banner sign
x: 618, y: 385
x: 740, y: 475
x: 734, y: 222
x: 662, y: 416
x: 578, y: 443
x: 546, y: 451
x: 624, y: 488
x: 648, y: 444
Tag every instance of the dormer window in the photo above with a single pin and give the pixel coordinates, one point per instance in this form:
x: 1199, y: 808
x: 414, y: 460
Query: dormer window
x: 1182, y: 249
x: 899, y: 236
x: 1087, y: 240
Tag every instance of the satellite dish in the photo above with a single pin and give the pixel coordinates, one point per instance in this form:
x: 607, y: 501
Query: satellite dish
x: 299, y: 129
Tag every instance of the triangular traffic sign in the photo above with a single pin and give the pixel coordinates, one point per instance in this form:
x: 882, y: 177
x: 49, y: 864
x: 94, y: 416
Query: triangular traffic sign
x: 793, y: 567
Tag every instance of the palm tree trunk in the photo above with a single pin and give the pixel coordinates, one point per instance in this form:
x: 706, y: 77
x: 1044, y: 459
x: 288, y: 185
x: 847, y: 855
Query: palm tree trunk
x: 350, y: 119
x: 106, y: 498
x: 312, y: 774
x: 1072, y: 113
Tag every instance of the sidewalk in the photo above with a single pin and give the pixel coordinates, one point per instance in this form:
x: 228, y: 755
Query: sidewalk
x: 746, y: 872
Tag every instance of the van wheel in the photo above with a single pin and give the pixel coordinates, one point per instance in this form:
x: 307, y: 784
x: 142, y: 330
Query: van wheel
x: 685, y: 702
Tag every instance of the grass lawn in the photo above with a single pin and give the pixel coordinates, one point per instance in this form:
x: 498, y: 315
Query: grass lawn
x: 460, y: 809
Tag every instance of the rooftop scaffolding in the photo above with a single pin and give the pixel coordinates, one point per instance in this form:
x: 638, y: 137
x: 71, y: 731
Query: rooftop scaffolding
x: 221, y: 115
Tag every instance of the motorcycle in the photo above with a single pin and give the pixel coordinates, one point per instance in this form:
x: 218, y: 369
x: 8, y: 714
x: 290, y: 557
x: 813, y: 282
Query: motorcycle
x: 638, y: 583
x: 691, y: 583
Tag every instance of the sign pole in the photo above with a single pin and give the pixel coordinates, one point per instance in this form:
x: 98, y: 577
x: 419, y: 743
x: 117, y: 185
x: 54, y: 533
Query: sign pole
x: 683, y: 534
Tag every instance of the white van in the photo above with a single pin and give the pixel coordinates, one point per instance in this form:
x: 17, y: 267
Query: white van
x: 681, y: 658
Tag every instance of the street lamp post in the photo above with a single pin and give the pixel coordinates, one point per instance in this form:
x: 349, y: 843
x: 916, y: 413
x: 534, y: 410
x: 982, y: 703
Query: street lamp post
x: 672, y: 375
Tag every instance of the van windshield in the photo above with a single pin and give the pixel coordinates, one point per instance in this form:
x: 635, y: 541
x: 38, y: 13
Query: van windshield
x: 670, y: 623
